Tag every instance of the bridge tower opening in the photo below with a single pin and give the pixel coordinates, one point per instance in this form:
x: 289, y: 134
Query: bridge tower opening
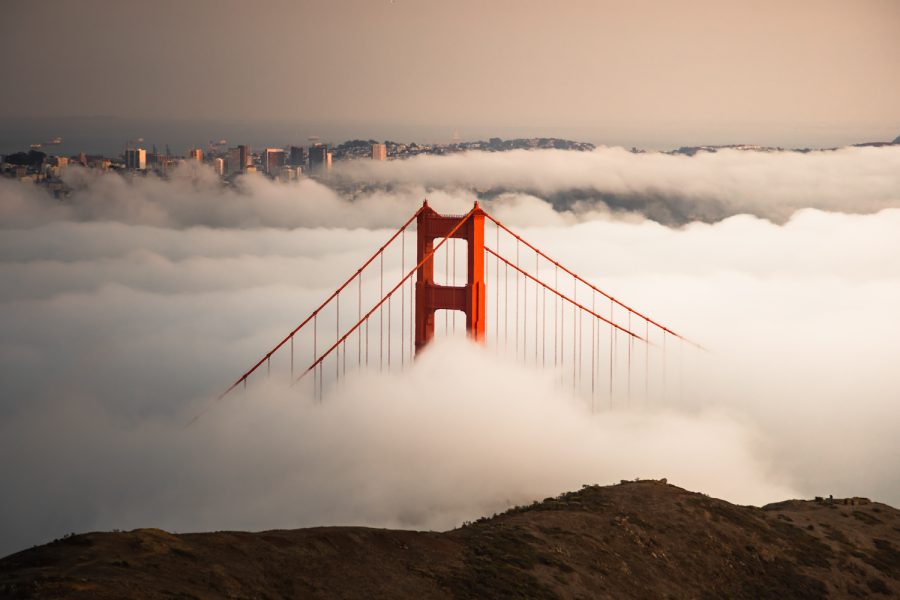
x: 469, y: 298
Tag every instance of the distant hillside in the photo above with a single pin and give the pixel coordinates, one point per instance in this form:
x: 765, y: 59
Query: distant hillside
x: 635, y: 540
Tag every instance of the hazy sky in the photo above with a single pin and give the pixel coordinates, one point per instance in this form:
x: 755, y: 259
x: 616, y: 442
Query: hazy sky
x: 653, y: 72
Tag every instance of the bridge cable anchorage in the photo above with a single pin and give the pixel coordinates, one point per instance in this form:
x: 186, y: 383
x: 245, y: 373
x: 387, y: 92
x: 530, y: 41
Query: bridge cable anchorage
x: 592, y: 286
x: 381, y: 302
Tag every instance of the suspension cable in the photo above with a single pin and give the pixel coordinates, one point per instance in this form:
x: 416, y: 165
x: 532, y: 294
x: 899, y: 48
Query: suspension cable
x: 563, y: 296
x: 312, y: 315
x: 584, y: 281
x: 392, y: 290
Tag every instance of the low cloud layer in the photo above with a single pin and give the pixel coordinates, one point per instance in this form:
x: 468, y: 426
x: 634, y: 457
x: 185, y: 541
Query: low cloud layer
x: 127, y: 307
x: 526, y: 187
x: 670, y: 189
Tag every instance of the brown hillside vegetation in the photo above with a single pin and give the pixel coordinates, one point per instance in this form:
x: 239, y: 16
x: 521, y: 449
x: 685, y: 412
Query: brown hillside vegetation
x: 641, y: 539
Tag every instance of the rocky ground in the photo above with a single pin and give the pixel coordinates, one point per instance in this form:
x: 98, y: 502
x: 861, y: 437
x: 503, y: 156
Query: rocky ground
x: 643, y: 539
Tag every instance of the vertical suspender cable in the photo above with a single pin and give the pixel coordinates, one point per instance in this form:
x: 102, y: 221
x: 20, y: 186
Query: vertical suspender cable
x: 612, y: 333
x: 524, y: 308
x: 389, y: 332
x: 402, y: 301
x: 516, y: 310
x: 593, y: 348
x: 646, y: 360
x: 537, y: 273
x: 597, y: 345
x: 664, y: 361
x: 359, y: 316
x: 556, y: 318
x: 505, y: 307
x: 337, y: 336
x: 381, y: 318
x: 576, y: 333
x: 543, y: 327
x: 497, y: 290
x: 630, y: 340
x: 562, y: 342
x: 315, y: 355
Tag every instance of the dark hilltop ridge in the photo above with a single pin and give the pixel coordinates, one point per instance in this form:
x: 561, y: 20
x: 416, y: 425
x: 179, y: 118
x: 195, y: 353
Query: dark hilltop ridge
x: 642, y: 539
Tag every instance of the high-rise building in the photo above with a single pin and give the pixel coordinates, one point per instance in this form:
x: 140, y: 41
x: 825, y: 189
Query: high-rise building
x: 379, y: 151
x: 233, y: 161
x: 318, y: 155
x: 298, y: 156
x: 273, y: 160
x: 218, y: 166
x: 197, y: 154
x: 328, y: 161
x: 136, y: 158
x: 237, y: 160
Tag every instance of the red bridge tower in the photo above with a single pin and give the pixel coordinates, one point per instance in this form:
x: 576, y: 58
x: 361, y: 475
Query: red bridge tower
x: 431, y: 296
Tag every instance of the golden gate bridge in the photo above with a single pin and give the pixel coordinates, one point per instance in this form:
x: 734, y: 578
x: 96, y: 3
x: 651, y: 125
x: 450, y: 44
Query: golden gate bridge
x: 471, y: 273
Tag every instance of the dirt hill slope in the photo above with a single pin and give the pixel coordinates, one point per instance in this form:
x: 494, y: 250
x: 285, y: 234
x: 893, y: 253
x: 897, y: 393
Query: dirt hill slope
x: 635, y: 540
